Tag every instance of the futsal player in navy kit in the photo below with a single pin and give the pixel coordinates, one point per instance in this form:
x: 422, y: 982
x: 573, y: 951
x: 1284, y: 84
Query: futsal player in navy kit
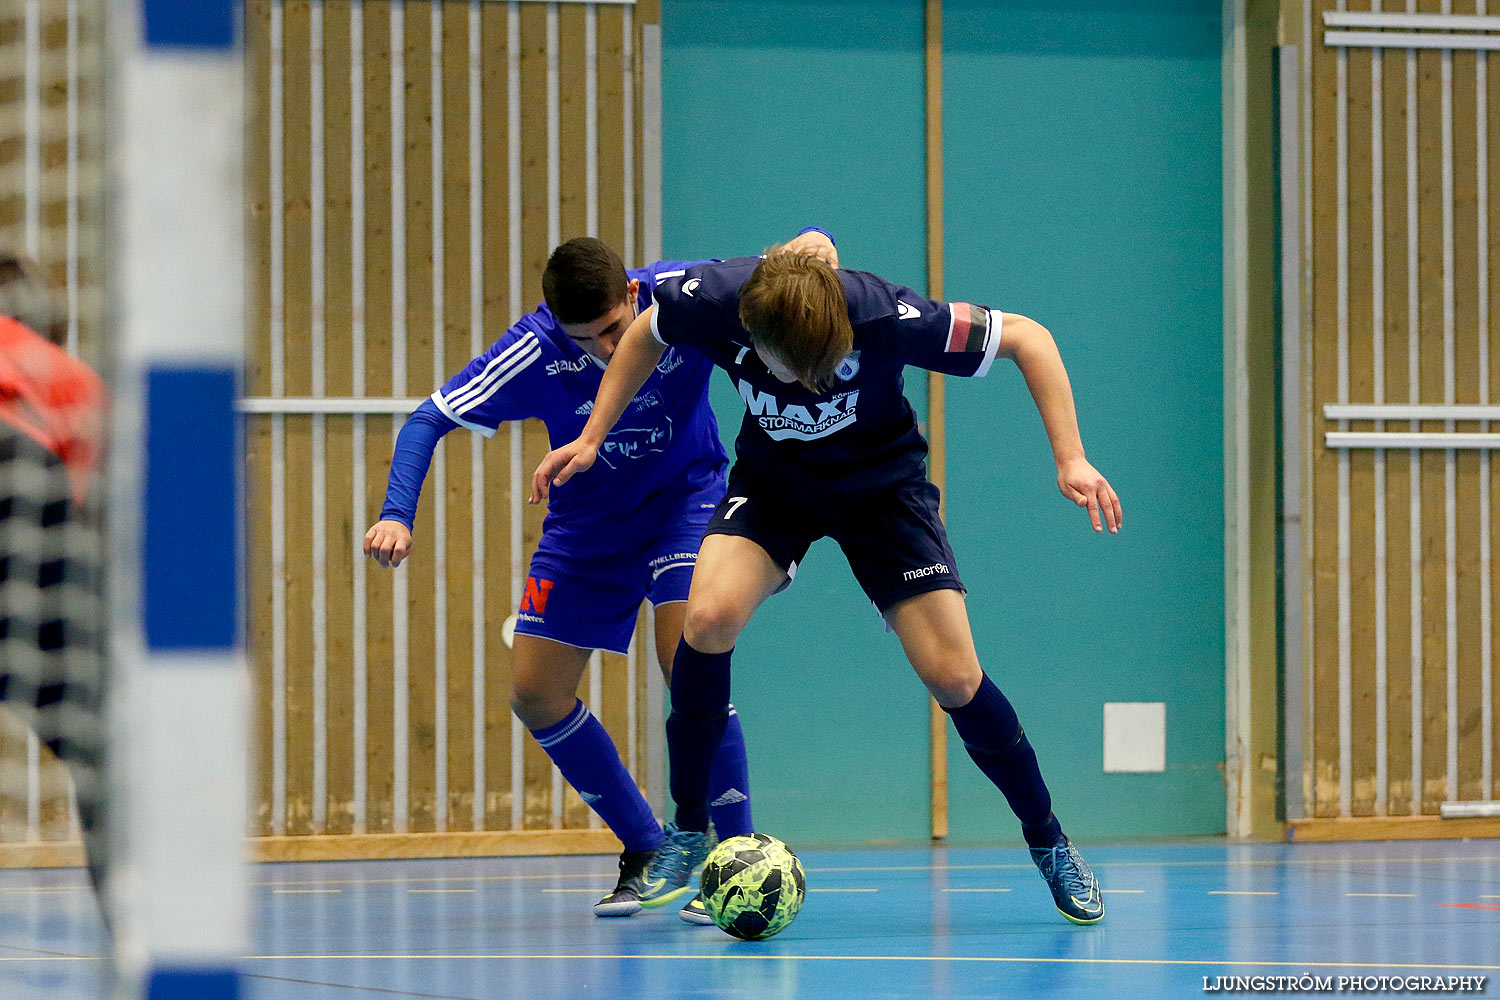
x: 628, y: 529
x: 829, y: 446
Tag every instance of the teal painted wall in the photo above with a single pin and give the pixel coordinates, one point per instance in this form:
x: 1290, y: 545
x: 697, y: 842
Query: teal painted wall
x: 1083, y: 188
x: 781, y: 114
x: 1082, y: 183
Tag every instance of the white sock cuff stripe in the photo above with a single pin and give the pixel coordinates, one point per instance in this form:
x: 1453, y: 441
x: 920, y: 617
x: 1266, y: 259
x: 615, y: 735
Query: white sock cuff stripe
x: 570, y: 725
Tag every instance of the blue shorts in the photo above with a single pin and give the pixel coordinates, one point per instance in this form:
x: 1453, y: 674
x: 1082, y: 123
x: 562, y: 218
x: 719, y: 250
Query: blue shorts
x: 587, y: 599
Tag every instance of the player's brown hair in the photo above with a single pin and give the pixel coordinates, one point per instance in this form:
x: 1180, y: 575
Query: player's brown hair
x: 584, y: 280
x: 794, y: 305
x: 25, y: 298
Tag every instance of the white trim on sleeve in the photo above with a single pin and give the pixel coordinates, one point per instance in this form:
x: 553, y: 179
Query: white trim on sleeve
x: 655, y: 314
x: 523, y: 351
x: 991, y: 343
x: 480, y: 429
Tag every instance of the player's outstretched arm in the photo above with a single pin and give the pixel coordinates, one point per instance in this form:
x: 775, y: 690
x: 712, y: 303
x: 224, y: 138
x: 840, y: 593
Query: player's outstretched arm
x: 634, y: 359
x: 1031, y: 347
x: 388, y: 543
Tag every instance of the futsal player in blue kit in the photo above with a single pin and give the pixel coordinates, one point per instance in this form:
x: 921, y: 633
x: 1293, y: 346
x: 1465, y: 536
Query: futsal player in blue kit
x: 829, y: 446
x: 627, y: 530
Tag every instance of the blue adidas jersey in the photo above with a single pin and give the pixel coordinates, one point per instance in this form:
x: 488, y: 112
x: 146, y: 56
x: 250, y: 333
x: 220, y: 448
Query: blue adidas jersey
x: 665, y: 447
x: 859, y: 435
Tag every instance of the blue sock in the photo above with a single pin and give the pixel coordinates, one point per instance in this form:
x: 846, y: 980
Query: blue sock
x: 995, y: 740
x: 587, y: 758
x: 729, y: 783
x: 695, y: 729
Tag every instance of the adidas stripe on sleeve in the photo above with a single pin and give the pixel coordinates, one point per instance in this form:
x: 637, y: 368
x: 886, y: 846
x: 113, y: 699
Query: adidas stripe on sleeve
x: 477, y: 397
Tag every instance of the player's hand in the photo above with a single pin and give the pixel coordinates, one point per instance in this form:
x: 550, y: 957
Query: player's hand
x: 814, y: 245
x: 1081, y: 483
x: 388, y: 543
x: 559, y: 466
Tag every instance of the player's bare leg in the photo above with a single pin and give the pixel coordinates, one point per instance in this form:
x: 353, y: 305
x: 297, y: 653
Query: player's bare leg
x: 669, y: 619
x: 544, y: 697
x: 733, y: 579
x: 934, y: 632
x: 544, y: 680
x: 734, y: 576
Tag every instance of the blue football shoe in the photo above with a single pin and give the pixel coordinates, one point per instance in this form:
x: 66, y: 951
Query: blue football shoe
x: 1075, y: 890
x: 669, y: 874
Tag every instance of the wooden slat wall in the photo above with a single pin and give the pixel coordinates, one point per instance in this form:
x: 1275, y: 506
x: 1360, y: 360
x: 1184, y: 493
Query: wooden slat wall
x: 534, y: 248
x: 419, y: 249
x: 1372, y: 765
x: 57, y: 224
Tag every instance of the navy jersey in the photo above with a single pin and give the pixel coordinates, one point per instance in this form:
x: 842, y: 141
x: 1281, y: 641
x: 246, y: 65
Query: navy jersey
x: 861, y: 433
x: 665, y: 446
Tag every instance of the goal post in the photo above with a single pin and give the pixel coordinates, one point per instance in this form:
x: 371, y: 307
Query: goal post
x: 176, y: 298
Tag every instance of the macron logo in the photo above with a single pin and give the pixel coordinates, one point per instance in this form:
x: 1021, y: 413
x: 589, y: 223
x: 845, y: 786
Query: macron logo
x: 933, y: 570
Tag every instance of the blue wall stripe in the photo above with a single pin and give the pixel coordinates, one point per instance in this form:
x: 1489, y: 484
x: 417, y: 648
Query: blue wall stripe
x: 191, y: 578
x: 193, y: 984
x: 196, y: 24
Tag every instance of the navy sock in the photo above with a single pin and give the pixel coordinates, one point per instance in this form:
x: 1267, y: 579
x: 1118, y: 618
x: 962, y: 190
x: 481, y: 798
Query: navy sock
x: 586, y: 756
x: 1049, y: 834
x: 995, y: 740
x: 695, y: 729
x: 729, y: 783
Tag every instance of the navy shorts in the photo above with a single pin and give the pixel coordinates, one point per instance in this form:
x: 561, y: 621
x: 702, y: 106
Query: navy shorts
x: 894, y: 539
x: 579, y: 597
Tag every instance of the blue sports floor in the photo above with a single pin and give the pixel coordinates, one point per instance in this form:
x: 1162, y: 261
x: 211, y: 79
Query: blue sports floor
x: 928, y: 923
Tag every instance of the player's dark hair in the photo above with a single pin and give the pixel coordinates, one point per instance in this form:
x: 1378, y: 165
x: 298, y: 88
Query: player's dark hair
x: 794, y: 305
x: 584, y: 280
x: 25, y: 298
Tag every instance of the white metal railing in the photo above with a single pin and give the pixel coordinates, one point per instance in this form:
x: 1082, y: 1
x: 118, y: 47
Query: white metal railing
x: 1379, y: 29
x: 1411, y: 22
x: 1401, y: 440
x: 1404, y: 440
x: 331, y: 405
x: 1405, y: 411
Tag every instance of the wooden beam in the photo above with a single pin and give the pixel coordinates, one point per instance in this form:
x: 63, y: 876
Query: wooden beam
x: 1317, y: 831
x: 361, y: 847
x: 937, y: 432
x: 369, y: 847
x: 50, y: 854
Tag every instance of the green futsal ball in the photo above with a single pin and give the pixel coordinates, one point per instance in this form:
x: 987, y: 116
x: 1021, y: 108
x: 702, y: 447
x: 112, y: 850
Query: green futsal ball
x: 753, y: 886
